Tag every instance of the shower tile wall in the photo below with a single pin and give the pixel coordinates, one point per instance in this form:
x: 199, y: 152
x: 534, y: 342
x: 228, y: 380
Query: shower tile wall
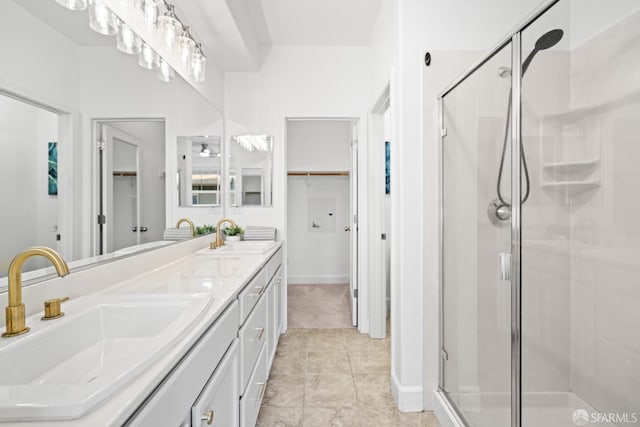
x: 605, y: 268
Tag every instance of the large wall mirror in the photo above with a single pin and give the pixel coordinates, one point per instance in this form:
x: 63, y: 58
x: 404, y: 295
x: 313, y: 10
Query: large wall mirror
x: 250, y: 170
x: 66, y: 96
x: 199, y: 170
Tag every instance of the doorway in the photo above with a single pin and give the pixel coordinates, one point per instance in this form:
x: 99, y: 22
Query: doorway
x: 130, y: 184
x: 322, y: 234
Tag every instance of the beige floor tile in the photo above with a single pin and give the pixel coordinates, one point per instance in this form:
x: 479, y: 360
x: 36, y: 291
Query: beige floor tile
x: 367, y: 362
x: 318, y: 306
x: 329, y: 390
x: 373, y: 390
x: 332, y: 417
x: 416, y: 419
x: 293, y: 342
x: 284, y: 392
x: 271, y: 416
x: 289, y: 363
x: 328, y: 339
x: 362, y: 342
x: 327, y: 362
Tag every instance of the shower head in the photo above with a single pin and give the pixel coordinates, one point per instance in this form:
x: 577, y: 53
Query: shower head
x: 504, y: 71
x: 546, y: 41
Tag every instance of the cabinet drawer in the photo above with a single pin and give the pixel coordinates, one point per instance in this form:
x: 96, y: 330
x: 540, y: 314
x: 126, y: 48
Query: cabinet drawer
x: 273, y: 264
x: 252, y: 338
x: 176, y: 394
x: 218, y: 405
x: 252, y: 399
x: 251, y: 293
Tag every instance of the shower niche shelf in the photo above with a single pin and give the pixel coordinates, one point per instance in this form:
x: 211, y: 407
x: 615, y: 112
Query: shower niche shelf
x: 574, y: 167
x: 571, y: 188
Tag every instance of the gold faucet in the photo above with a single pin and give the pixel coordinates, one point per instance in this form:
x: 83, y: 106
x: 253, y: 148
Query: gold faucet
x: 187, y: 220
x: 219, y: 242
x: 15, y: 309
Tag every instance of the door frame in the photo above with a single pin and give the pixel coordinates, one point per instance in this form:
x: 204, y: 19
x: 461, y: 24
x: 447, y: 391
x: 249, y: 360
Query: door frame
x: 360, y: 119
x: 378, y: 292
x: 90, y: 156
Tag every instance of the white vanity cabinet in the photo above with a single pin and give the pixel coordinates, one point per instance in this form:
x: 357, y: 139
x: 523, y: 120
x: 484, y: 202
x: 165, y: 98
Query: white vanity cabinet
x: 259, y: 336
x: 171, y: 403
x: 218, y: 403
x: 221, y: 381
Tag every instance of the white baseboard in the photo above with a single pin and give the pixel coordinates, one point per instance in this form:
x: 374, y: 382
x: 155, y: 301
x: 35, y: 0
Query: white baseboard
x: 408, y: 398
x: 317, y: 280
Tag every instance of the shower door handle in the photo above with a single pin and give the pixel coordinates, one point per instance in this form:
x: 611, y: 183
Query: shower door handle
x: 505, y: 266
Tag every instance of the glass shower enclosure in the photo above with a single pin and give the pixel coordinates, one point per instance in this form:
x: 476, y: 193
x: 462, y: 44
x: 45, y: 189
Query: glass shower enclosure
x: 540, y: 199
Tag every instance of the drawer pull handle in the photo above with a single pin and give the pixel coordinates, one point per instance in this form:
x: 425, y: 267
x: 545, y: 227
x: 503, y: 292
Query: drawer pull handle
x: 260, y: 334
x: 279, y: 280
x: 208, y: 417
x: 262, y: 390
x: 261, y: 290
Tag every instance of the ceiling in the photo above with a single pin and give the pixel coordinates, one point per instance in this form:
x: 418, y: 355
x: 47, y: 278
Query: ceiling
x: 321, y: 22
x: 240, y: 33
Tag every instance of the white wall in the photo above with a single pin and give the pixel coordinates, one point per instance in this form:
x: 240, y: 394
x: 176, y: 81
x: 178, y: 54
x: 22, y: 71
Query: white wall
x: 426, y: 25
x: 318, y: 146
x: 30, y: 215
x: 318, y: 255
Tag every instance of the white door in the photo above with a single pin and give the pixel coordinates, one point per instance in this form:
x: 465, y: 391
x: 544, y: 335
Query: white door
x: 119, y: 189
x: 353, y: 253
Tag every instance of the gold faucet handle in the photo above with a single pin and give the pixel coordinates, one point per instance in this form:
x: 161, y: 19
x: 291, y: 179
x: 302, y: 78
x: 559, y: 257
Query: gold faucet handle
x: 52, y: 308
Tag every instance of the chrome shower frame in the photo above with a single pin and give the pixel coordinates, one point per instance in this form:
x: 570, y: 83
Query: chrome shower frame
x: 515, y: 39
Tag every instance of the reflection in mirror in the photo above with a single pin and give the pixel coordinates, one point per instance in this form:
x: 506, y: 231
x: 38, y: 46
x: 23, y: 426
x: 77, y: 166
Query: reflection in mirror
x: 199, y: 170
x: 30, y: 207
x: 78, y: 78
x: 250, y: 173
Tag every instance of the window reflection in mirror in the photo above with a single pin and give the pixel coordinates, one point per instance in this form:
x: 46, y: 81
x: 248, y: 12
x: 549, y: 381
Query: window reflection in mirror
x: 250, y: 170
x: 199, y: 170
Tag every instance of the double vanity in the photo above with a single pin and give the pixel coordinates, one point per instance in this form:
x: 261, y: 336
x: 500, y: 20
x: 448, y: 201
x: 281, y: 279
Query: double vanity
x: 182, y: 335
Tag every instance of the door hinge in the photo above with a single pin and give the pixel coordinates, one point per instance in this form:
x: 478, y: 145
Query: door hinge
x: 383, y: 236
x: 444, y: 354
x: 354, y: 143
x: 102, y: 219
x: 355, y: 218
x: 443, y: 132
x: 355, y: 293
x: 101, y: 145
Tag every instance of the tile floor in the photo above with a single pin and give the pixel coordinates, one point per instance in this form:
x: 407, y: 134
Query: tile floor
x: 318, y: 306
x: 333, y: 377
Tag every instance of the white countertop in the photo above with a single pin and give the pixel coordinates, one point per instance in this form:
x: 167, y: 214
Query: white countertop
x: 220, y: 277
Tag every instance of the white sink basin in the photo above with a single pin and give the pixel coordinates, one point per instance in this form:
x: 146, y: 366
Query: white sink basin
x: 64, y: 367
x: 239, y: 248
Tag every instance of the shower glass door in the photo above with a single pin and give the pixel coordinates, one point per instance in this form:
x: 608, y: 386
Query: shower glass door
x: 476, y: 295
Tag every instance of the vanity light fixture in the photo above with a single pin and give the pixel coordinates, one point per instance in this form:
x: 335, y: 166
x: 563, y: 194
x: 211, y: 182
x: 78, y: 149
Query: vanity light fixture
x: 102, y: 19
x: 175, y: 34
x: 127, y: 40
x: 73, y: 4
x: 165, y: 72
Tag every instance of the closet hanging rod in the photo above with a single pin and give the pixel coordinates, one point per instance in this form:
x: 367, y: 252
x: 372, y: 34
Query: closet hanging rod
x: 318, y: 173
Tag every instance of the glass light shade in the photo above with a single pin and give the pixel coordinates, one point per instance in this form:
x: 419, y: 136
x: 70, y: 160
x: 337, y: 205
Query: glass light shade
x: 128, y: 41
x: 187, y: 48
x: 151, y: 10
x: 102, y: 19
x: 170, y: 28
x: 199, y: 66
x: 148, y: 58
x: 73, y: 4
x: 165, y: 72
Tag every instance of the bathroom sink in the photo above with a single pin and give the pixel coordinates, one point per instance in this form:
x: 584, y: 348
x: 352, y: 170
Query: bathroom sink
x: 65, y: 367
x: 240, y: 248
